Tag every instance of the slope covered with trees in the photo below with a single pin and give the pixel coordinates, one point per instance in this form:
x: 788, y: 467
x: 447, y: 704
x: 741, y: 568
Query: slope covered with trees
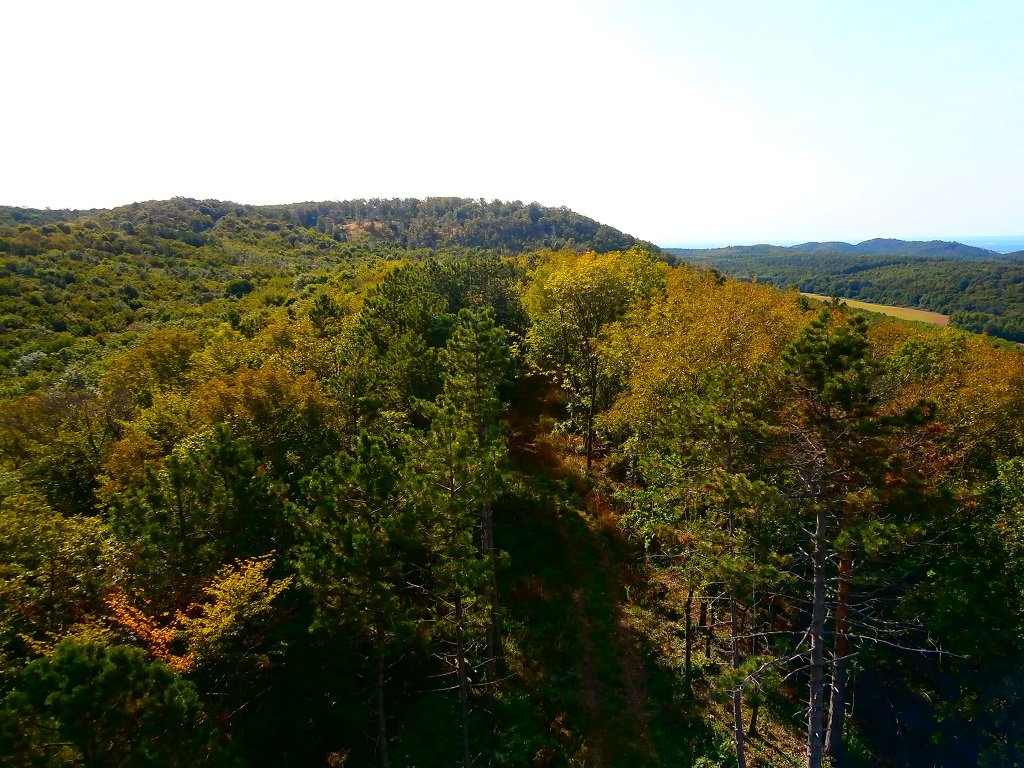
x: 74, y: 283
x: 318, y: 500
x: 980, y: 290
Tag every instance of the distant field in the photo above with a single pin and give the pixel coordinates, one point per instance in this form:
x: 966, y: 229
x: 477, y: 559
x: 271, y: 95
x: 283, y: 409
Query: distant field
x: 901, y: 312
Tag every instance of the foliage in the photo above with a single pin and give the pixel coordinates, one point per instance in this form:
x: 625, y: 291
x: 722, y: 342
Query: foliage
x: 54, y: 572
x: 96, y: 705
x: 570, y: 301
x: 980, y: 292
x: 292, y: 471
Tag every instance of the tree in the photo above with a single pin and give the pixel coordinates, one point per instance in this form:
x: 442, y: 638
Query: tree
x: 89, y: 704
x: 845, y: 470
x: 475, y: 362
x: 702, y: 510
x: 453, y: 479
x: 209, y: 502
x: 695, y: 422
x: 357, y: 553
x: 54, y: 571
x: 405, y: 320
x: 286, y: 416
x: 570, y: 300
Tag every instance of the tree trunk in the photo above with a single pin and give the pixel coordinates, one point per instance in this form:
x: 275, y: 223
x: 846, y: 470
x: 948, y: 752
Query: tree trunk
x: 702, y: 619
x: 382, y: 720
x: 689, y: 640
x: 841, y: 654
x: 590, y: 429
x: 737, y: 694
x: 754, y: 709
x: 734, y: 647
x: 460, y: 650
x: 494, y: 641
x: 816, y: 698
x: 710, y: 630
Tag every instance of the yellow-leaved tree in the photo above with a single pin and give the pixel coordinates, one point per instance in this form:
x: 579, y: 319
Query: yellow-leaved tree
x: 570, y: 300
x: 701, y: 373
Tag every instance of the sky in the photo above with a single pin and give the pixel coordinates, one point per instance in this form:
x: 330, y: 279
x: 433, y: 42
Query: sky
x: 681, y: 122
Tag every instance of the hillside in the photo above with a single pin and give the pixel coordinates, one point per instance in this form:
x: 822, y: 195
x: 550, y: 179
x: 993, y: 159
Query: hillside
x: 980, y: 290
x: 889, y: 246
x: 74, y: 283
x: 438, y: 222
x: 933, y: 249
x: 271, y: 495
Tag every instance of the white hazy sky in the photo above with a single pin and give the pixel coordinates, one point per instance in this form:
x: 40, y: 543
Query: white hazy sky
x: 677, y: 121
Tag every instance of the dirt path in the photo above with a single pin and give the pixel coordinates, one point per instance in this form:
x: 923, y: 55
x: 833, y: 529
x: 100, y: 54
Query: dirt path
x: 589, y: 677
x: 586, y: 574
x: 614, y: 565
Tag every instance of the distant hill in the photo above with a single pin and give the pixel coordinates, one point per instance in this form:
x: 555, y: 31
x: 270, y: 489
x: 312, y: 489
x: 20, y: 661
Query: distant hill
x: 436, y: 222
x: 877, y: 247
x: 980, y: 290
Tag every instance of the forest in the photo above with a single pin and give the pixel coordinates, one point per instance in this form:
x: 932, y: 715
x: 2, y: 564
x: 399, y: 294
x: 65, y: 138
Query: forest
x: 454, y: 482
x: 980, y: 290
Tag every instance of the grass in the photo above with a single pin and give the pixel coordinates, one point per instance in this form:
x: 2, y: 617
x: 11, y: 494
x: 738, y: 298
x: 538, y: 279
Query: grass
x: 903, y: 313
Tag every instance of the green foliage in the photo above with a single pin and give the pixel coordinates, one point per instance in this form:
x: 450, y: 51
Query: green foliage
x: 191, y: 385
x: 225, y: 629
x: 54, y: 572
x: 358, y: 547
x: 570, y: 301
x: 829, y: 365
x: 982, y: 295
x: 87, y: 704
x: 475, y: 363
x: 209, y: 503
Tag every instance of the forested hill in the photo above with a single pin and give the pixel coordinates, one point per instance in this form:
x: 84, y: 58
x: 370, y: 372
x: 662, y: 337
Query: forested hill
x: 75, y: 283
x: 436, y: 222
x: 982, y: 291
x: 879, y: 246
x: 277, y: 490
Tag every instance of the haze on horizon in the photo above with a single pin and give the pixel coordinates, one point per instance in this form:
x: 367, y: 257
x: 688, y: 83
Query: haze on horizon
x: 678, y: 122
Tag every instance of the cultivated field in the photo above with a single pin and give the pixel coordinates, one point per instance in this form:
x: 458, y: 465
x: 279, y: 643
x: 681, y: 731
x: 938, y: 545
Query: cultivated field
x: 901, y: 312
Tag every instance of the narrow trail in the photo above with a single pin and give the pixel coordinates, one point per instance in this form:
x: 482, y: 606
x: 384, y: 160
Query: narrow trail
x: 634, y: 677
x: 584, y: 584
x: 590, y: 683
x: 614, y: 565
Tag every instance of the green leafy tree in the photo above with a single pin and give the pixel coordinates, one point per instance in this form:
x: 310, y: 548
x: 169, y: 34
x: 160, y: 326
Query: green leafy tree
x: 453, y: 479
x: 209, y: 503
x: 54, y: 572
x: 704, y: 512
x: 406, y: 321
x: 476, y: 362
x: 694, y: 426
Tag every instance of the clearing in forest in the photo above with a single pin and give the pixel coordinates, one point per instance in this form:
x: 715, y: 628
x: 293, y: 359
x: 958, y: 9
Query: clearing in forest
x: 903, y: 313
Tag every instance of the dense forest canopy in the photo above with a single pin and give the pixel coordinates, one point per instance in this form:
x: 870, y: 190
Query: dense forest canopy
x: 71, y: 281
x: 296, y: 485
x: 980, y: 290
x: 409, y: 223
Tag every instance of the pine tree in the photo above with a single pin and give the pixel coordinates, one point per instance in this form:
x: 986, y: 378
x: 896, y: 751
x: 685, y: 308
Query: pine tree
x: 476, y: 362
x: 841, y: 449
x: 357, y: 554
x: 452, y: 480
